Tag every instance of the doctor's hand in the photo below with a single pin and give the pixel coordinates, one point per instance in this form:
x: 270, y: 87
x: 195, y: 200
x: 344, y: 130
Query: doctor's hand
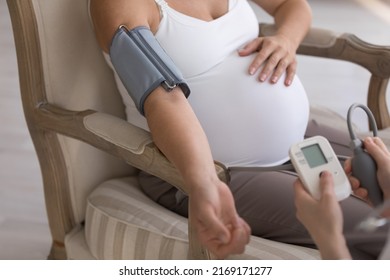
x: 358, y: 190
x: 378, y: 150
x: 277, y: 54
x: 319, y: 216
x: 322, y: 218
x: 217, y: 223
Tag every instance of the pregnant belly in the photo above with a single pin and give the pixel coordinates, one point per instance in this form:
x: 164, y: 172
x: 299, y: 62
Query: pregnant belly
x: 248, y: 123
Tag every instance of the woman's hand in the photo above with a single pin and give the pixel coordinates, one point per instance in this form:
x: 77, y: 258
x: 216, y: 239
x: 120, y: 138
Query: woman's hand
x: 276, y: 54
x: 218, y: 226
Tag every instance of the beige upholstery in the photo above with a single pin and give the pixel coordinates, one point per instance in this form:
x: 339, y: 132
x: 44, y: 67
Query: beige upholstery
x: 89, y: 155
x: 122, y: 223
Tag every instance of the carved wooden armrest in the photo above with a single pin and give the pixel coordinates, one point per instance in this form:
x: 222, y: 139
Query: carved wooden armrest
x: 126, y: 141
x: 118, y: 138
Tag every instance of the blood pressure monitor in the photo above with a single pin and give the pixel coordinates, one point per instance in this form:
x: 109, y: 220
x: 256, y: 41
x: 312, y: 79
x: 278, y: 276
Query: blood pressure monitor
x: 313, y: 156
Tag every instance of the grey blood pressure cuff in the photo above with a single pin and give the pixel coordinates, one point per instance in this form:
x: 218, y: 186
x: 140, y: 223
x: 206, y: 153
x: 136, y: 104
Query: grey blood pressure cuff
x: 143, y: 65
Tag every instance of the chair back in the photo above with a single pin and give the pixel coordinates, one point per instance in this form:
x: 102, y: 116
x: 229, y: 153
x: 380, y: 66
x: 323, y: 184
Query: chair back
x: 61, y: 63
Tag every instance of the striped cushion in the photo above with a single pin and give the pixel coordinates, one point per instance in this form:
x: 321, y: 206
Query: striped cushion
x: 122, y: 223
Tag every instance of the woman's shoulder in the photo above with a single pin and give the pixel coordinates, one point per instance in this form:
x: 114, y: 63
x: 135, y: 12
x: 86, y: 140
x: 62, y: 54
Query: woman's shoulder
x: 108, y: 15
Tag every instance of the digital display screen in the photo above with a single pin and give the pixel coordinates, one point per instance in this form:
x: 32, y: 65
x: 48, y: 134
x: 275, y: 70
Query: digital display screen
x: 314, y: 155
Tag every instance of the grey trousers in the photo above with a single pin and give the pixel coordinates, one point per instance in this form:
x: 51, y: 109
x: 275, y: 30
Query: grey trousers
x: 265, y: 200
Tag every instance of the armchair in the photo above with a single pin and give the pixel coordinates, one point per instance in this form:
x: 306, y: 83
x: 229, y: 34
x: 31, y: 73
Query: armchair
x: 89, y: 155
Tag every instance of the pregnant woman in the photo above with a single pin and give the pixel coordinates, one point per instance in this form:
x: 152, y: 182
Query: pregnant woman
x: 246, y: 108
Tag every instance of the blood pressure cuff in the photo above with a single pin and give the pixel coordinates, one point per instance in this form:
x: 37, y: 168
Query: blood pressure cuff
x: 142, y: 64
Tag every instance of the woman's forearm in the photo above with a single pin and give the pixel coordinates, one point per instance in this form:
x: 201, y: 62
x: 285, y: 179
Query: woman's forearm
x: 293, y: 20
x: 292, y: 17
x: 179, y: 135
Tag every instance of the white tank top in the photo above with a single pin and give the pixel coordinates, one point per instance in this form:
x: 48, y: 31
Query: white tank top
x: 247, y: 123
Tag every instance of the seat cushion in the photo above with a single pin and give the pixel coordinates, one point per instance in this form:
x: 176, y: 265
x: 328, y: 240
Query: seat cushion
x: 123, y: 223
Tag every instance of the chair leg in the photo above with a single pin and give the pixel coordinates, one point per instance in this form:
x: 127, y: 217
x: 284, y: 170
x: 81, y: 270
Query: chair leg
x: 57, y: 252
x: 196, y: 250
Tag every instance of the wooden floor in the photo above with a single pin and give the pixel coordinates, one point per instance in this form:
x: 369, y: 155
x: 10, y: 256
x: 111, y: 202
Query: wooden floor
x: 24, y: 232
